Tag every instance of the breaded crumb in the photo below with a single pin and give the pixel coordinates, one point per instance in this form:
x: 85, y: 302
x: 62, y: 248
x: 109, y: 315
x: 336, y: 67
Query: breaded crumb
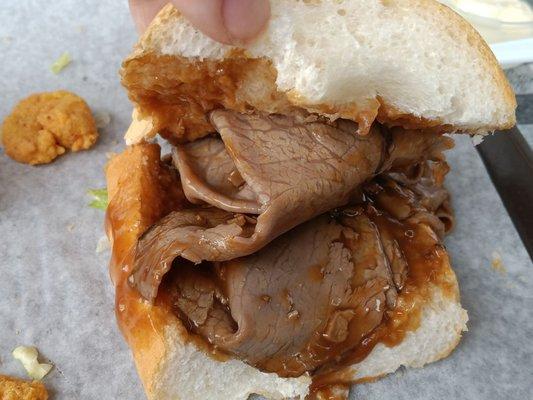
x: 102, y: 119
x: 102, y: 244
x: 19, y: 389
x: 497, y: 263
x: 42, y: 126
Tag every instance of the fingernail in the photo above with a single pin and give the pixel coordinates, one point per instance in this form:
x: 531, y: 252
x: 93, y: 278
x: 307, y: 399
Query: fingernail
x: 245, y: 19
x: 144, y: 11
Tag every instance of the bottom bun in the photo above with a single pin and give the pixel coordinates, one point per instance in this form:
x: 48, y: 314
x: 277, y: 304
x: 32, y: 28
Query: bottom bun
x: 185, y: 372
x: 172, y: 365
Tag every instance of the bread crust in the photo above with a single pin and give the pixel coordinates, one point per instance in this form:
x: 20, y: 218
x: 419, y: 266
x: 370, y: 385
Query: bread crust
x: 139, y: 188
x: 492, y: 66
x: 132, y: 184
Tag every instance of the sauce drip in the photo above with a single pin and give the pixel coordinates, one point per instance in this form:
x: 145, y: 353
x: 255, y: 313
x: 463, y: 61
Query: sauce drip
x: 178, y: 94
x: 140, y: 195
x: 148, y: 190
x: 428, y: 266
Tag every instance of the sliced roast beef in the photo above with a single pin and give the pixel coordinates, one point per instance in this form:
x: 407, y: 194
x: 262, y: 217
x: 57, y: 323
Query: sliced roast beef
x: 309, y: 297
x: 315, y: 298
x: 408, y: 148
x: 286, y: 169
x: 420, y: 197
x: 292, y: 172
x: 267, y: 267
x: 268, y: 173
x: 208, y: 175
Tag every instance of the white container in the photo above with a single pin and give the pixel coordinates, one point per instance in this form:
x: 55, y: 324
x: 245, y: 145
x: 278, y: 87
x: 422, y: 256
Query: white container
x: 497, y: 20
x: 507, y: 25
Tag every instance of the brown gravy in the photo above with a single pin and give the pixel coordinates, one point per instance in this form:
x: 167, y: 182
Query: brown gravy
x: 143, y: 194
x: 140, y: 195
x: 428, y: 265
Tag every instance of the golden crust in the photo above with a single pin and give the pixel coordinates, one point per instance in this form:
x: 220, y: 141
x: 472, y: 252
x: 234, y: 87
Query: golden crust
x: 43, y: 125
x: 140, y: 192
x: 19, y: 389
x: 492, y: 66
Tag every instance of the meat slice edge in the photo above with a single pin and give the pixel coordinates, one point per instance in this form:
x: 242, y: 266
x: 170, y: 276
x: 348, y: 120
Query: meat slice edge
x: 289, y: 170
x: 311, y: 296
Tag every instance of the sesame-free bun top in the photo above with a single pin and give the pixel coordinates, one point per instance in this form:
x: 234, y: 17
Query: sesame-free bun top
x: 414, y: 63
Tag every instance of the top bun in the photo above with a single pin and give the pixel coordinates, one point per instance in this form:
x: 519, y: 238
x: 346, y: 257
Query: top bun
x: 414, y: 63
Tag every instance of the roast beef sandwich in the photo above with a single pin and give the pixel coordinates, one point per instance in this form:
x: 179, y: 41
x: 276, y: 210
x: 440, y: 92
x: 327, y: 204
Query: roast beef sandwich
x: 290, y: 240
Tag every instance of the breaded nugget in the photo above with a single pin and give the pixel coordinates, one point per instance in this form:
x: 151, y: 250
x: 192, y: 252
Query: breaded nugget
x: 18, y: 389
x: 43, y: 125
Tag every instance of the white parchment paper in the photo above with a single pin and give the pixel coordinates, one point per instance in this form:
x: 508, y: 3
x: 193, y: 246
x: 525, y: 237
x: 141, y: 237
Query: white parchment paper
x: 55, y: 291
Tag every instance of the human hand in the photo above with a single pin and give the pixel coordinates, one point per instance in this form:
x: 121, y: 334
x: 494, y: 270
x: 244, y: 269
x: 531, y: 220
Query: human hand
x: 226, y: 21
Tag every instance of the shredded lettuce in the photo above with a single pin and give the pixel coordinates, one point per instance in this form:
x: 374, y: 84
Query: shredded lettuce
x: 100, y: 199
x: 61, y: 63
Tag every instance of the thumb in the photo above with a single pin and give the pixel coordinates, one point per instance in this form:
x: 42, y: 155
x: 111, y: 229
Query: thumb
x: 227, y: 21
x: 144, y: 11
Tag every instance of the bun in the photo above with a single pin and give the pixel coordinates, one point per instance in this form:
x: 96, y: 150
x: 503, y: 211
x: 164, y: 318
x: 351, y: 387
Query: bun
x: 172, y: 365
x: 415, y: 63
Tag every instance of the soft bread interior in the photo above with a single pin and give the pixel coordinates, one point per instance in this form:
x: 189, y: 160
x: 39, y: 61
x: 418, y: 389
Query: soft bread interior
x: 187, y: 373
x: 415, y: 63
x: 442, y: 322
x: 172, y: 366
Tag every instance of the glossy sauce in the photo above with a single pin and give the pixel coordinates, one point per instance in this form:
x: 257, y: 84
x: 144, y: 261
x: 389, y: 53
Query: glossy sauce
x: 316, y: 273
x: 142, y: 194
x: 178, y: 94
x: 427, y: 265
x: 127, y: 216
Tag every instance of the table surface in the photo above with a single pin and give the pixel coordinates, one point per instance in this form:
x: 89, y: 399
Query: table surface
x: 55, y: 288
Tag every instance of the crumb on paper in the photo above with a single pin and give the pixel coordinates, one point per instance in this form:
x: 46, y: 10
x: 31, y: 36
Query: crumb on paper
x: 102, y: 244
x: 60, y: 64
x: 110, y: 154
x: 477, y: 139
x: 19, y: 389
x: 102, y: 119
x: 70, y: 227
x: 335, y: 391
x: 42, y: 126
x: 100, y: 198
x: 140, y: 129
x: 497, y: 263
x: 27, y: 355
x: 7, y: 39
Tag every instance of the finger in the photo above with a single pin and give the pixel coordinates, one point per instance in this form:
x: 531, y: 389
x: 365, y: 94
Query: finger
x: 227, y: 21
x: 245, y: 19
x: 144, y: 11
x: 205, y: 15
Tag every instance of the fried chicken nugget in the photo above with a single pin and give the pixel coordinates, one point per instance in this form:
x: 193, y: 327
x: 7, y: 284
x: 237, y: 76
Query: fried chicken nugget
x: 18, y: 389
x: 43, y: 125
